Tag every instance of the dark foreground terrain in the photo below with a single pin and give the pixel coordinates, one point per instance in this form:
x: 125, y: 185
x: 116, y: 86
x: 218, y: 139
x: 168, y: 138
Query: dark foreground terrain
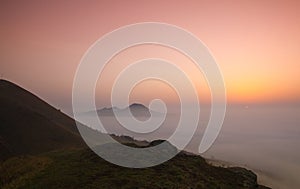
x: 40, y: 147
x: 84, y: 169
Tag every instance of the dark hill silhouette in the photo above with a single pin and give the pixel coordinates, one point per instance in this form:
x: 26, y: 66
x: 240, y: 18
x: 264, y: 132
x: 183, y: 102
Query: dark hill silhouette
x: 138, y: 106
x: 138, y: 110
x: 30, y: 126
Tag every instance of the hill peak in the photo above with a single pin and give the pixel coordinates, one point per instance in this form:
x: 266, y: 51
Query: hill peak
x: 137, y: 105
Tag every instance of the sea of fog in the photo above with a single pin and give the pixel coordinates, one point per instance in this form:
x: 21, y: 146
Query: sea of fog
x: 265, y: 139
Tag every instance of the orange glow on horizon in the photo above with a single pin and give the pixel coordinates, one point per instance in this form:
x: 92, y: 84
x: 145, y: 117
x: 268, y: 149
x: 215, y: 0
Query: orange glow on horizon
x: 255, y: 43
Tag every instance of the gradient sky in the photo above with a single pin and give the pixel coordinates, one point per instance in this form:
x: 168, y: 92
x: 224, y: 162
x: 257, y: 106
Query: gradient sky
x: 255, y: 43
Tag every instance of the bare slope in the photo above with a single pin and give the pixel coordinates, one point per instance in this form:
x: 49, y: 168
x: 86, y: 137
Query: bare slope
x: 28, y: 125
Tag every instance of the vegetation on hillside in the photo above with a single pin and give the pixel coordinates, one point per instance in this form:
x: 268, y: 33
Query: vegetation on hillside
x: 84, y: 169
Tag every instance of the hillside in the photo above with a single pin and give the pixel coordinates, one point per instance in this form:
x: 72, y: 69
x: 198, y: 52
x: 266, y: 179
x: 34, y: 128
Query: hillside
x: 41, y: 147
x: 84, y: 169
x: 31, y: 126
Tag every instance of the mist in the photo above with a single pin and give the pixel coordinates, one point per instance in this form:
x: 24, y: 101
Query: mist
x: 264, y: 139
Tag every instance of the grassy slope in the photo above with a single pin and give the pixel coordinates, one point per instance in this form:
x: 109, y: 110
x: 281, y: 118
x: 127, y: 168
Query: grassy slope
x: 84, y: 169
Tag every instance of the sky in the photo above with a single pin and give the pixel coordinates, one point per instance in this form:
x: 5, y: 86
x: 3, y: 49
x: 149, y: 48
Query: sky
x: 255, y: 43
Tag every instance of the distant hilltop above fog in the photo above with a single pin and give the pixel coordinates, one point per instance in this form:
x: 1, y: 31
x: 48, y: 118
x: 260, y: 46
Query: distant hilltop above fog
x: 137, y: 105
x: 136, y: 109
x: 134, y: 106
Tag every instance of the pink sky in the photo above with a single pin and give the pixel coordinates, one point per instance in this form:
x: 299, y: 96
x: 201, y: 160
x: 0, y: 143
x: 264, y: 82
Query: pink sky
x: 255, y: 43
